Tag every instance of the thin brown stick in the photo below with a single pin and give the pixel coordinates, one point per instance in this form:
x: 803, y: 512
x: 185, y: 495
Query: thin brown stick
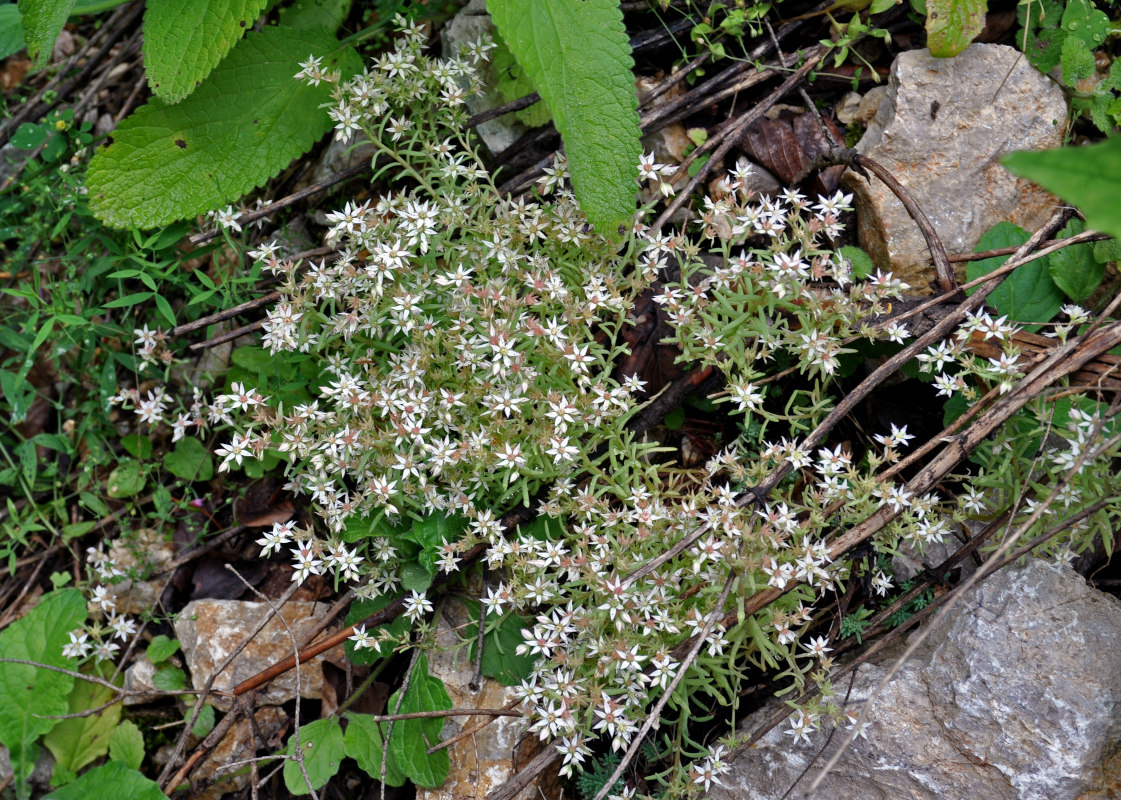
x: 469, y: 732
x: 228, y: 336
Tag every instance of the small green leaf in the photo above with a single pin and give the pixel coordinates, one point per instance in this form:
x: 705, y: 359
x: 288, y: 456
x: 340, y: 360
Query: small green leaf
x: 951, y: 25
x: 415, y: 577
x: 360, y: 610
x: 500, y: 658
x: 862, y: 263
x: 1028, y: 295
x: 1077, y: 60
x: 577, y: 54
x: 255, y: 359
x: 28, y: 136
x: 112, y: 781
x: 880, y: 6
x: 511, y: 83
x: 129, y: 300
x: 411, y: 738
x: 29, y: 696
x: 674, y: 419
x: 185, y: 39
x: 321, y: 743
x: 77, y: 529
x: 137, y: 446
x: 204, y: 724
x: 363, y: 741
x: 42, y: 23
x: 247, y: 121
x: 1087, y: 176
x: 126, y: 480
x: 162, y: 648
x: 1044, y: 48
x: 79, y: 741
x: 170, y: 679
x: 126, y: 744
x: 1074, y: 269
x: 1084, y: 21
x: 328, y: 14
x: 190, y: 460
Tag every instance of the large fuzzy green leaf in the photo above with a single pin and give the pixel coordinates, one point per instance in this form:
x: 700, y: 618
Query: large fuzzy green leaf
x: 247, y: 121
x: 577, y: 54
x: 185, y: 39
x: 410, y: 738
x: 1088, y: 177
x: 42, y: 22
x: 29, y: 695
x: 952, y: 24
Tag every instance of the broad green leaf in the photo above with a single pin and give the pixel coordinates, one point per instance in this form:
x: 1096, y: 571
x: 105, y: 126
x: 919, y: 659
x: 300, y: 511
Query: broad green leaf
x: 126, y: 480
x: 42, y: 22
x: 11, y: 30
x: 411, y: 738
x: 951, y: 25
x: 500, y: 658
x: 190, y: 460
x: 328, y: 14
x: 28, y: 135
x: 137, y: 446
x: 322, y: 745
x: 78, y: 741
x: 28, y: 695
x: 126, y: 744
x: 431, y: 533
x: 1044, y: 48
x: 1088, y: 177
x: 1028, y: 295
x: 1083, y: 20
x: 185, y: 39
x: 170, y: 679
x: 1075, y: 270
x: 112, y: 781
x: 512, y: 83
x: 247, y: 121
x: 577, y: 54
x: 161, y: 648
x: 363, y: 741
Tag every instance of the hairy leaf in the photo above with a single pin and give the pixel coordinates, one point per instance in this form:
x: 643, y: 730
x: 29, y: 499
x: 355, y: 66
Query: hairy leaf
x: 78, y: 741
x: 185, y: 39
x: 1028, y: 294
x: 42, y: 22
x: 112, y: 781
x: 364, y: 737
x: 322, y: 745
x: 577, y: 54
x: 411, y: 738
x: 247, y: 121
x: 952, y: 24
x: 29, y: 695
x: 1088, y: 177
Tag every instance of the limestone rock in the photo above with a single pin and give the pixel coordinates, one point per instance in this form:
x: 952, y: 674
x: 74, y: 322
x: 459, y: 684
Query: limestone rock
x: 940, y: 130
x: 209, y: 630
x: 1015, y: 696
x: 237, y: 746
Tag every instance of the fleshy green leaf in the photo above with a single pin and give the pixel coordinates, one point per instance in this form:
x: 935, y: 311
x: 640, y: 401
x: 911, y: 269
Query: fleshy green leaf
x: 322, y: 745
x: 577, y: 54
x: 1088, y: 177
x: 411, y: 738
x: 28, y: 695
x: 364, y: 737
x: 112, y: 781
x: 126, y: 744
x: 190, y: 460
x: 1028, y: 295
x: 78, y: 741
x: 1075, y: 270
x: 42, y: 22
x: 185, y: 39
x: 951, y: 25
x: 1083, y: 20
x: 247, y: 121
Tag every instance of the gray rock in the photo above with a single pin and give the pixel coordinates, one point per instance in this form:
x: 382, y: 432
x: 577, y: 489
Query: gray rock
x: 209, y: 630
x: 471, y: 23
x: 941, y: 128
x: 1016, y: 695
